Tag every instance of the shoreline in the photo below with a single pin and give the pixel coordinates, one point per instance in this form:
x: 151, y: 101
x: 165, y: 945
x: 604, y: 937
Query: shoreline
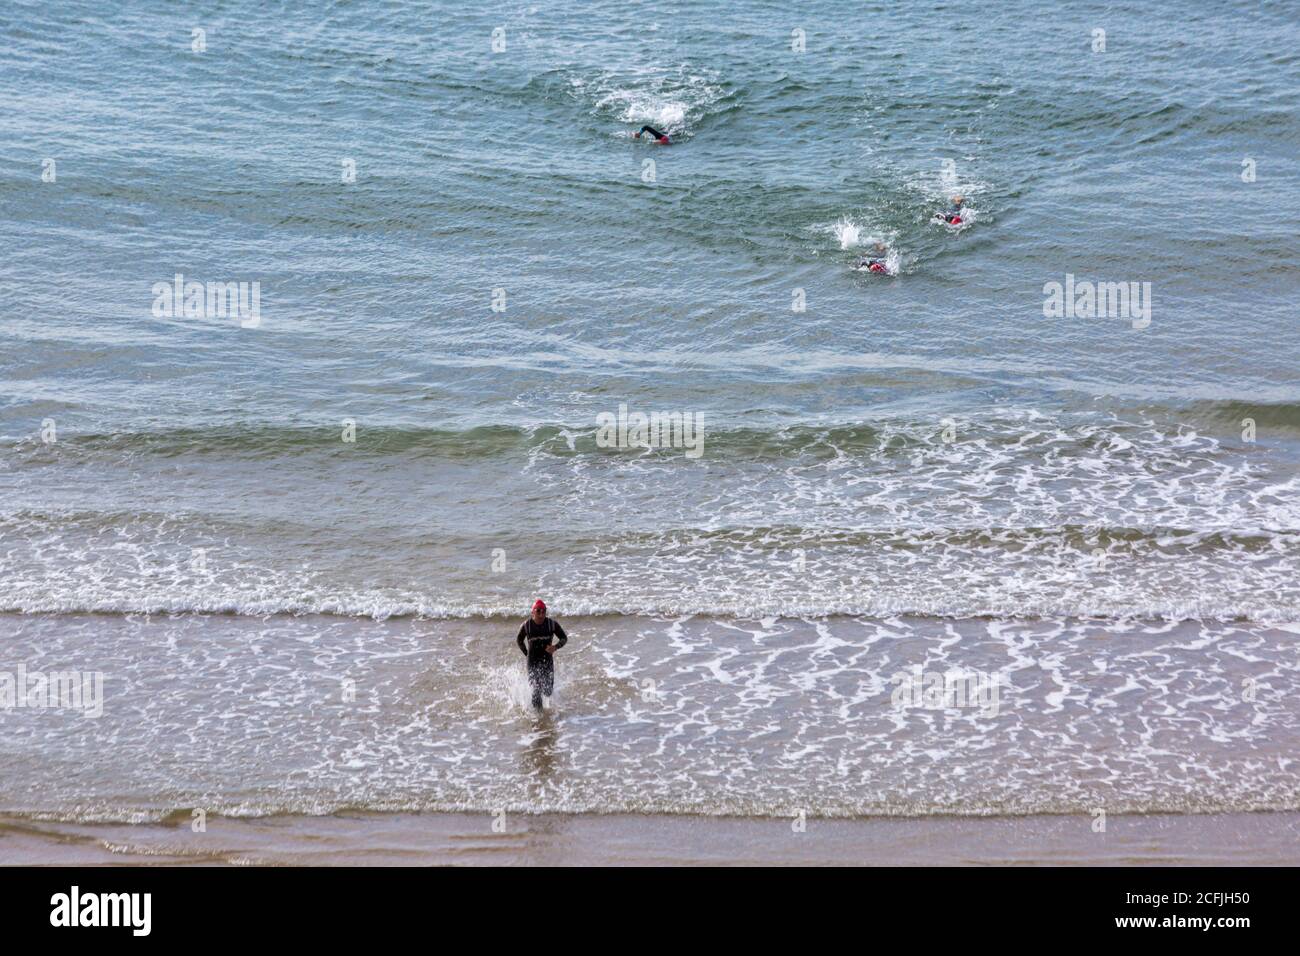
x: 553, y: 839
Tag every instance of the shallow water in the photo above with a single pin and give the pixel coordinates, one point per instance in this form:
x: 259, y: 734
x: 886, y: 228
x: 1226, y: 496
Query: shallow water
x: 241, y: 715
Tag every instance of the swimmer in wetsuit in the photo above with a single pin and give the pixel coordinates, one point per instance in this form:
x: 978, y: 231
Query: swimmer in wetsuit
x: 660, y: 138
x: 876, y: 261
x: 953, y: 216
x: 534, y: 640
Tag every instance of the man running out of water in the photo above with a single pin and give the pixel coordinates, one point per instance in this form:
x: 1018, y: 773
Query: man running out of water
x: 952, y: 216
x: 534, y: 640
x: 875, y: 262
x: 661, y: 138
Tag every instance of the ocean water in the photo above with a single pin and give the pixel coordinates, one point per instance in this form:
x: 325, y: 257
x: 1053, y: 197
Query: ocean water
x: 298, y: 548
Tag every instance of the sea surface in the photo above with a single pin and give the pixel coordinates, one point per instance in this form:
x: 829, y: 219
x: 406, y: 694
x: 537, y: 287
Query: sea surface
x: 297, y: 549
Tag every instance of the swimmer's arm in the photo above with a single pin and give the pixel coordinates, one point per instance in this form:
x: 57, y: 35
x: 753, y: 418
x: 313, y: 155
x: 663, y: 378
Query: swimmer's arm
x: 519, y: 639
x: 562, y: 638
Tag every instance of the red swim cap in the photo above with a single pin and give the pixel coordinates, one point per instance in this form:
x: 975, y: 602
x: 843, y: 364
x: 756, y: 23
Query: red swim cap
x: 539, y: 603
x: 664, y: 140
x: 956, y: 220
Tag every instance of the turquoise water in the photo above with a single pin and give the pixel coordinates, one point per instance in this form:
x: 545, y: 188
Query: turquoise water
x: 918, y: 454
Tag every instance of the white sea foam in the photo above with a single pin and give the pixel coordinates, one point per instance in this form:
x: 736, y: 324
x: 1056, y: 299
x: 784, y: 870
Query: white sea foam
x: 847, y: 232
x: 675, y: 716
x: 1018, y: 517
x: 670, y: 100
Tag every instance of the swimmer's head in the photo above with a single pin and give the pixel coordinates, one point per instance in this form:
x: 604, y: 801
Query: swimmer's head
x: 539, y: 610
x: 958, y: 200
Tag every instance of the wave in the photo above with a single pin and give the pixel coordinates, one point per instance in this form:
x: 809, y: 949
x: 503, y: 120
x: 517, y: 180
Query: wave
x: 259, y: 440
x: 1281, y: 799
x: 1011, y: 516
x: 1235, y: 414
x: 1157, y: 424
x: 126, y: 565
x: 739, y: 610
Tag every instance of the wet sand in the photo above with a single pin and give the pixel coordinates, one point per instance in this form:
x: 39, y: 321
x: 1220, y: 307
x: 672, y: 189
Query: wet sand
x: 1236, y: 839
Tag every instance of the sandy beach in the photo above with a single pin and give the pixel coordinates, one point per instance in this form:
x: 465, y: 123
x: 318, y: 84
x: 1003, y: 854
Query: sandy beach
x: 453, y: 839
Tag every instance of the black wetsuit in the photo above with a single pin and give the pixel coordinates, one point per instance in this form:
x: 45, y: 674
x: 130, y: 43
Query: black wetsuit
x: 533, y: 639
x: 653, y: 132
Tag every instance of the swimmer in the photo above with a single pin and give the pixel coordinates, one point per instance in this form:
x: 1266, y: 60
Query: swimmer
x: 660, y: 138
x: 876, y: 261
x: 534, y: 640
x: 953, y: 216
